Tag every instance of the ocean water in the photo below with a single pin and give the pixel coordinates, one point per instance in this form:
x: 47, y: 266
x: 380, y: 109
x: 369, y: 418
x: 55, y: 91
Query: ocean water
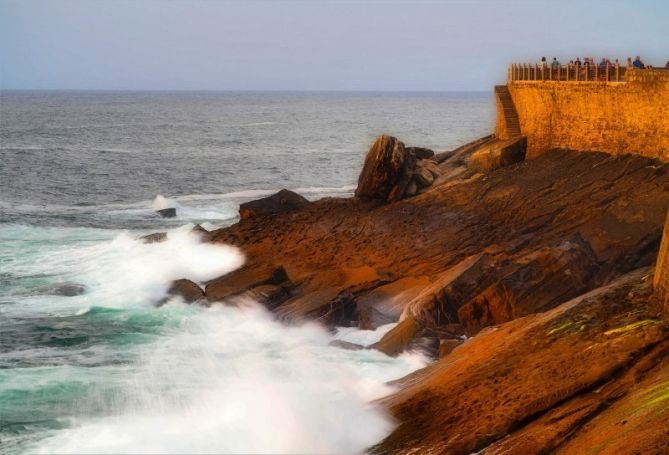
x: 108, y: 371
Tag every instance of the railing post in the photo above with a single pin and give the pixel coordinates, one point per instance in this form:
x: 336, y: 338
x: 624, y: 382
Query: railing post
x: 587, y: 72
x: 568, y: 71
x: 577, y: 69
x: 608, y: 73
x: 536, y: 72
x: 559, y: 68
x: 596, y: 72
x: 617, y: 72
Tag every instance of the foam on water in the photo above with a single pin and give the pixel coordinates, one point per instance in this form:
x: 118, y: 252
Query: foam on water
x: 123, y: 376
x: 235, y: 381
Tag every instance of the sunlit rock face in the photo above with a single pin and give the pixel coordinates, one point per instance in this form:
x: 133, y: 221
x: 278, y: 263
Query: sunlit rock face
x: 661, y: 280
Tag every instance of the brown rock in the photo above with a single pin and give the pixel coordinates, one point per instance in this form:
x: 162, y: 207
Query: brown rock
x: 498, y: 154
x: 447, y: 346
x: 411, y: 189
x: 423, y: 177
x: 244, y: 279
x: 421, y: 152
x: 387, y: 170
x: 433, y: 167
x: 187, y: 290
x: 283, y: 201
x: 481, y: 391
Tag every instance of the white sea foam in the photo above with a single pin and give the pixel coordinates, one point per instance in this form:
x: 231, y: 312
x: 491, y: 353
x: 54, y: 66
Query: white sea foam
x: 235, y: 381
x: 216, y: 380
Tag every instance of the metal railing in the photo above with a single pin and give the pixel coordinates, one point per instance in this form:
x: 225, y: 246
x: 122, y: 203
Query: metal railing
x: 568, y: 73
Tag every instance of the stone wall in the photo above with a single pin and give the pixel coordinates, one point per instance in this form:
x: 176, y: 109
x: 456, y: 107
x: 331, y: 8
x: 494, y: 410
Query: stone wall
x: 612, y: 117
x: 661, y: 280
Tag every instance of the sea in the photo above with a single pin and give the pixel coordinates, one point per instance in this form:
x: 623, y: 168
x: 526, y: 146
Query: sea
x: 89, y: 362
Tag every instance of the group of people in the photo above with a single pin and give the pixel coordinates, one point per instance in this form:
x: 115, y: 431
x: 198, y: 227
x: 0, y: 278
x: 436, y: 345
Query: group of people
x: 589, y: 61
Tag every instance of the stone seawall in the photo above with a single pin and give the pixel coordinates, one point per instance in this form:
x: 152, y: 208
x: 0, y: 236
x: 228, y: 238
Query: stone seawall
x: 612, y: 117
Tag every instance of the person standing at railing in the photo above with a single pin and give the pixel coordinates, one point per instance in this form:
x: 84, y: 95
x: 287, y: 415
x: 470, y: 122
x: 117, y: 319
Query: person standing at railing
x: 637, y: 63
x: 555, y: 64
x: 666, y: 67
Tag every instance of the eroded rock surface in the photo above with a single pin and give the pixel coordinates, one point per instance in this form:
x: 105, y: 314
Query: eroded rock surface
x: 549, y: 362
x: 526, y: 260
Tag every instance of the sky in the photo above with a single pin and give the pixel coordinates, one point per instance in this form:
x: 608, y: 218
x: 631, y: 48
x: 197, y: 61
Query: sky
x: 311, y: 45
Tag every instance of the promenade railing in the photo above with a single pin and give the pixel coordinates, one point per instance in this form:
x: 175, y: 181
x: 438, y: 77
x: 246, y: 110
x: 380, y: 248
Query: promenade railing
x: 610, y: 72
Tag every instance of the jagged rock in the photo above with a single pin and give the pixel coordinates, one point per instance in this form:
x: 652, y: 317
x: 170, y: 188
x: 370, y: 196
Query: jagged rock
x: 156, y: 237
x: 167, y: 213
x: 189, y: 291
x: 421, y: 152
x: 387, y: 170
x: 283, y: 201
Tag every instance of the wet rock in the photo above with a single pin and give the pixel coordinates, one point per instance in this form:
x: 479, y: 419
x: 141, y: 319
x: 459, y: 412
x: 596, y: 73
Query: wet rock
x: 244, y: 279
x: 189, y: 291
x: 283, y: 201
x: 61, y: 289
x: 167, y: 213
x: 346, y: 345
x: 270, y: 295
x: 156, y: 237
x: 198, y: 229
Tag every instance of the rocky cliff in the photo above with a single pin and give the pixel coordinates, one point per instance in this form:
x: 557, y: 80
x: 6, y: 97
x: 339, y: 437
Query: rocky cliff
x: 530, y: 281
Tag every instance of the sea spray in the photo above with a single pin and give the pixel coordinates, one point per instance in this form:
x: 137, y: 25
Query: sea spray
x: 230, y: 380
x: 108, y: 372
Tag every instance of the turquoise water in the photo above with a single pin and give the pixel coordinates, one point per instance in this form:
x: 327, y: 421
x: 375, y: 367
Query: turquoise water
x: 108, y: 371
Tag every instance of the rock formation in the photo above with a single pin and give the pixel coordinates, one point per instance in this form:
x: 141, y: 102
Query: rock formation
x: 167, y: 213
x: 392, y: 171
x: 544, y: 266
x: 283, y: 201
x: 189, y: 291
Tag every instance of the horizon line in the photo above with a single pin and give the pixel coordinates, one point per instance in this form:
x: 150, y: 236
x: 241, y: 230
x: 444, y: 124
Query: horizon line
x: 239, y: 90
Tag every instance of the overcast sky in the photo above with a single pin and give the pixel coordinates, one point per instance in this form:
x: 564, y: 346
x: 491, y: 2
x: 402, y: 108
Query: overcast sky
x: 311, y: 45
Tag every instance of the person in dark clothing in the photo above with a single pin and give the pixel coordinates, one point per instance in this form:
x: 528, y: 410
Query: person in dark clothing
x: 637, y: 63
